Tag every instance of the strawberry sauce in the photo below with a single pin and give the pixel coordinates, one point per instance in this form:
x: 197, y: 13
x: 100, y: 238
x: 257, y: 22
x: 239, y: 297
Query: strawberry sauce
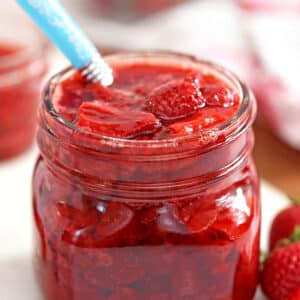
x: 148, y: 103
x: 146, y: 190
x: 21, y: 74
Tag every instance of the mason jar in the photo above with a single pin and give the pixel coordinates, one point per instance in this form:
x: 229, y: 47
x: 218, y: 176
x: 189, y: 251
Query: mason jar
x: 147, y: 219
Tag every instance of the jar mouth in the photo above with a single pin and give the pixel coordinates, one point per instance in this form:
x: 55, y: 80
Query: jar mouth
x: 231, y: 128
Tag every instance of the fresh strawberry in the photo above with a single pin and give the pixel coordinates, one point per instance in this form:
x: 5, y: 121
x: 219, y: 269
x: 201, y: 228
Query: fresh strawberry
x: 296, y: 295
x: 280, y: 278
x: 176, y: 99
x: 110, y: 121
x: 284, y: 224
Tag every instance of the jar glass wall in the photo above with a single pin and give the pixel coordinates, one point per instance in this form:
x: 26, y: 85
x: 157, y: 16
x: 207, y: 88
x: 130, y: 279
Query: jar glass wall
x: 22, y: 67
x: 147, y: 219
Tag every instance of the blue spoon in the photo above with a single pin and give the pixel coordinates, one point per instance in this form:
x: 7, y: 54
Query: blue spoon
x: 59, y: 27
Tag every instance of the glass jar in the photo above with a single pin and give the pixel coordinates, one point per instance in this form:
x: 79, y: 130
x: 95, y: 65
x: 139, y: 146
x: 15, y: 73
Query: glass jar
x: 138, y: 219
x: 22, y: 67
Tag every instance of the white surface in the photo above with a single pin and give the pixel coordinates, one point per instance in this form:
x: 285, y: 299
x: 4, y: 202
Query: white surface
x: 16, y: 279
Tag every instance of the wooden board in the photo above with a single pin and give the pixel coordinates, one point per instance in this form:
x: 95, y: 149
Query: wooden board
x: 277, y: 162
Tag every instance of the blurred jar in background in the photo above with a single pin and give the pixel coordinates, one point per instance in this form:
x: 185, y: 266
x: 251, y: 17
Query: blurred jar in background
x: 22, y: 67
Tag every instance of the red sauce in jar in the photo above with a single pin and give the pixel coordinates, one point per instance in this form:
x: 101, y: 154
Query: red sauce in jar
x: 145, y: 189
x: 148, y: 103
x: 21, y: 74
x: 7, y: 50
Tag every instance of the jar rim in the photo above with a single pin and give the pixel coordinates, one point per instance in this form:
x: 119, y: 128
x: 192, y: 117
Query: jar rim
x: 232, y: 128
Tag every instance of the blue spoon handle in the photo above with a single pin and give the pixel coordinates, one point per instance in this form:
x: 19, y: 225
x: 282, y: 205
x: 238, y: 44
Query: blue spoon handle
x: 60, y: 28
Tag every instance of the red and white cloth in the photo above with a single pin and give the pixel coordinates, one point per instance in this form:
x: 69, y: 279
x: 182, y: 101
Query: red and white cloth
x: 271, y: 5
x: 274, y: 30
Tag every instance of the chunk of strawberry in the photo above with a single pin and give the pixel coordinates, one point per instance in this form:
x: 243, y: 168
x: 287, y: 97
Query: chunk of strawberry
x: 115, y: 218
x: 118, y: 98
x: 194, y: 217
x: 217, y: 95
x: 176, y: 99
x: 168, y: 220
x: 110, y: 121
x: 284, y: 224
x: 73, y: 92
x: 100, y: 226
x: 280, y: 276
x: 199, y: 214
x: 234, y: 214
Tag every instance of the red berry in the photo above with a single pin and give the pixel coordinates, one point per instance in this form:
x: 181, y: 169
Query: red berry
x: 115, y: 217
x: 281, y: 272
x: 202, y: 218
x: 296, y: 295
x: 168, y: 220
x: 232, y: 222
x: 193, y: 217
x: 176, y: 99
x: 284, y: 224
x: 101, y: 225
x: 110, y: 121
x: 216, y: 95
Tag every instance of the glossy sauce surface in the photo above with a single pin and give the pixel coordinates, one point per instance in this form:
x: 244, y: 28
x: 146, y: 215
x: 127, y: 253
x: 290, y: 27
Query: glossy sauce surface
x: 156, y: 102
